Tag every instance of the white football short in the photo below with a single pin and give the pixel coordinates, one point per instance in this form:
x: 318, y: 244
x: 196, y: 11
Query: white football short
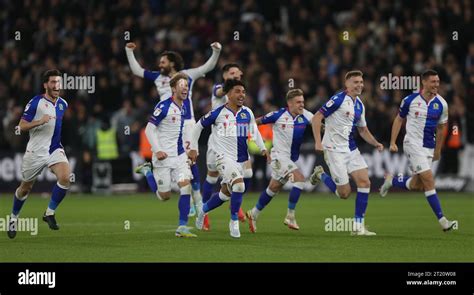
x: 229, y: 169
x: 282, y: 167
x: 175, y: 168
x: 343, y: 164
x: 33, y: 164
x: 420, y: 159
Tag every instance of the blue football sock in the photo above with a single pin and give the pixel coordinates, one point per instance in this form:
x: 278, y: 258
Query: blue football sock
x: 294, y: 197
x: 328, y: 182
x: 247, y: 184
x: 265, y: 198
x: 235, y: 203
x: 401, y: 182
x: 150, y: 179
x: 207, y: 189
x: 432, y: 198
x: 57, y: 196
x: 362, y: 200
x: 17, y: 204
x: 215, y: 201
x: 184, y: 206
x: 195, y: 182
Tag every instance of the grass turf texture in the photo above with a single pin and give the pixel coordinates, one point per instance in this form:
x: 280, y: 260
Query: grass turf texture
x: 93, y: 230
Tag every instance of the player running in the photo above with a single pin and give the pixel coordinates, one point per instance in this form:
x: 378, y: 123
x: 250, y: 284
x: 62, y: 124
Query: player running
x: 426, y: 115
x: 169, y: 64
x: 231, y: 123
x: 289, y: 125
x: 42, y: 117
x: 170, y: 162
x: 219, y: 98
x: 343, y: 113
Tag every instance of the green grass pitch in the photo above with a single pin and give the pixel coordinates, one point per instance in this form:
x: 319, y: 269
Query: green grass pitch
x: 93, y: 230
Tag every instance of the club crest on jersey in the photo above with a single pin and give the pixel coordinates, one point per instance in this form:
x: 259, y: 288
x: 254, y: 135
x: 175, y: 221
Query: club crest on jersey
x: 61, y: 107
x: 436, y: 106
x: 300, y: 120
x: 243, y: 115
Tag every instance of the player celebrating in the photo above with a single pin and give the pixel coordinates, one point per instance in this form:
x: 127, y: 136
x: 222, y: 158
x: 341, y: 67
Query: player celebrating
x: 43, y: 119
x: 289, y: 125
x: 164, y: 132
x: 170, y: 63
x: 343, y: 113
x: 219, y: 98
x: 231, y: 123
x: 426, y: 114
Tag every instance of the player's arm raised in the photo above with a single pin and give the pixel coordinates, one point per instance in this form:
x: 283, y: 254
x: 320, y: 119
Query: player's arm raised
x: 396, y: 126
x: 208, y: 66
x: 137, y: 70
x: 25, y: 125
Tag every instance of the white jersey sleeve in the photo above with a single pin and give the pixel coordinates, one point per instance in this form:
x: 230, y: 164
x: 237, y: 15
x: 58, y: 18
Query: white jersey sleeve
x: 201, y: 71
x: 444, y: 115
x: 308, y: 115
x: 134, y: 65
x: 361, y: 122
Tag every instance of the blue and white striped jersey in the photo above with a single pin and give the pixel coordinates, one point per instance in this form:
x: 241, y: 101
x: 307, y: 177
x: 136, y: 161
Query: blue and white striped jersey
x: 169, y: 119
x: 342, y: 115
x: 423, y: 118
x: 288, y: 131
x: 45, y: 139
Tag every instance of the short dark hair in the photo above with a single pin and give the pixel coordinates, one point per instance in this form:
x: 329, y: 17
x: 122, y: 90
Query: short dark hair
x: 227, y: 67
x: 176, y: 58
x: 354, y: 73
x: 293, y: 93
x: 178, y: 76
x: 229, y: 84
x: 50, y: 73
x: 426, y: 74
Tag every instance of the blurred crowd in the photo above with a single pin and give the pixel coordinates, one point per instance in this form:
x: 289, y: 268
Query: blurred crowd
x: 280, y: 44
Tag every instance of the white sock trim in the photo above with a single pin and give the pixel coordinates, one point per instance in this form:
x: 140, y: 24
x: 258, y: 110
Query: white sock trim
x: 21, y: 199
x: 430, y: 193
x: 212, y: 179
x: 407, y: 183
x: 363, y: 190
x: 270, y: 193
x: 223, y: 197
x: 62, y: 186
x: 185, y: 190
x: 299, y: 185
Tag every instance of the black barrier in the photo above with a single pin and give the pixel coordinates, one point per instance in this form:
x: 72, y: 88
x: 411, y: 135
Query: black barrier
x: 122, y: 171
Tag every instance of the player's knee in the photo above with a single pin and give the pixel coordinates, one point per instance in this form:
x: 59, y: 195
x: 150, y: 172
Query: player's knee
x: 365, y: 183
x: 185, y: 189
x: 212, y: 177
x: 344, y: 193
x: 163, y: 196
x: 23, y: 191
x: 238, y: 187
x: 248, y: 173
x: 64, y: 181
x: 298, y: 177
x: 274, y: 188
